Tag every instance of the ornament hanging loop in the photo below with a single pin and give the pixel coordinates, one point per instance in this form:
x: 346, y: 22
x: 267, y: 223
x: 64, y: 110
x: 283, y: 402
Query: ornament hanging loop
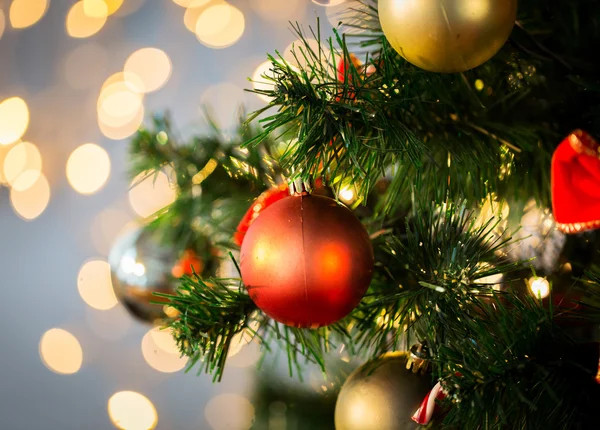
x: 419, y: 358
x: 300, y: 187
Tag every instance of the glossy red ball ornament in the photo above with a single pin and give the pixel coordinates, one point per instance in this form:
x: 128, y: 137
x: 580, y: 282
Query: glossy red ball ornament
x: 307, y: 261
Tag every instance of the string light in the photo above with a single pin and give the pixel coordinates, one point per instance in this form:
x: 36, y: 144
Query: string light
x: 539, y: 287
x: 347, y: 195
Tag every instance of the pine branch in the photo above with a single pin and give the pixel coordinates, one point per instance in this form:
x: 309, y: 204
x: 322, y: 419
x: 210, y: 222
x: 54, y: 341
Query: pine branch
x: 431, y: 277
x: 211, y: 313
x: 523, y: 101
x: 515, y: 368
x: 215, y: 180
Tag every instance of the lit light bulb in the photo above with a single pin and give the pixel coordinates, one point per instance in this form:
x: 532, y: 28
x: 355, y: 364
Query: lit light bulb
x: 540, y: 287
x: 347, y: 195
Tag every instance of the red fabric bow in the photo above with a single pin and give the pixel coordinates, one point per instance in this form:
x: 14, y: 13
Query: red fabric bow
x: 576, y: 183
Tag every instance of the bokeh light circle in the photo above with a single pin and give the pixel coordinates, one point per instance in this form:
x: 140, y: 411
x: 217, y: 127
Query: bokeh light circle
x: 259, y: 82
x: 118, y: 104
x: 293, y: 53
x: 150, y: 193
x: 161, y: 352
x: 95, y: 8
x: 129, y: 410
x: 220, y: 26
x: 14, y: 119
x: 88, y: 168
x: 25, y: 13
x: 94, y: 285
x: 151, y: 65
x: 30, y: 203
x: 80, y: 25
x: 194, y: 10
x: 22, y: 166
x: 60, y: 351
x: 120, y: 132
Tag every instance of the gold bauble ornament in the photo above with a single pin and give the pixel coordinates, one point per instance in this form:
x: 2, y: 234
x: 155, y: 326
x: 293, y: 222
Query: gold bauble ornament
x: 381, y: 395
x: 447, y: 35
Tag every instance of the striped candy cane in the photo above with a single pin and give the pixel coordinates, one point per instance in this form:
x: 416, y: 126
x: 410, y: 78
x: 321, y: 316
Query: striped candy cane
x: 425, y: 411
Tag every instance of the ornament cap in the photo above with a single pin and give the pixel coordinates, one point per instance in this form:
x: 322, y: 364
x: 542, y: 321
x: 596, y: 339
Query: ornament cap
x: 300, y: 187
x: 419, y: 359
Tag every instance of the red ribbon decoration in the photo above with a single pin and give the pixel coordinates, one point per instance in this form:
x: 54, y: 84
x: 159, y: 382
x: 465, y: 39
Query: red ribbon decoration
x: 576, y: 183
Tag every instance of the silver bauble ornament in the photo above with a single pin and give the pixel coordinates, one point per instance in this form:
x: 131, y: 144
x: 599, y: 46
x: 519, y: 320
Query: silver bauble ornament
x: 381, y: 395
x: 447, y: 35
x: 538, y: 240
x: 140, y: 266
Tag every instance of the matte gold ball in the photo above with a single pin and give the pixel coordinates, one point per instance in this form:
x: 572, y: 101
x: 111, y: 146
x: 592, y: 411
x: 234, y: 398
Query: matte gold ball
x: 447, y: 35
x: 381, y: 395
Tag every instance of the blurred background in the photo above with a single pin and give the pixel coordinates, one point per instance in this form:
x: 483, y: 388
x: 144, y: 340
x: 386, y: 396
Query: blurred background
x: 77, y: 79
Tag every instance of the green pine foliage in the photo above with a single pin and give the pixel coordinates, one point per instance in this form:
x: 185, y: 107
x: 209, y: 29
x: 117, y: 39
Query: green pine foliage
x: 424, y: 151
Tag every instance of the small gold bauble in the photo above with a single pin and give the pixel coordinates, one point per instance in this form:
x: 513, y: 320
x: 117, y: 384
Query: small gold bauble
x: 381, y: 395
x: 447, y: 35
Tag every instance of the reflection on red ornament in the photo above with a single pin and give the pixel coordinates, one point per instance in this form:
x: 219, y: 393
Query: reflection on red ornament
x: 307, y: 261
x: 263, y: 201
x: 188, y: 264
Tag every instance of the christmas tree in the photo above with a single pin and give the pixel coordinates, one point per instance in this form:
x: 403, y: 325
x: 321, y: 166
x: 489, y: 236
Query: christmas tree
x: 462, y: 269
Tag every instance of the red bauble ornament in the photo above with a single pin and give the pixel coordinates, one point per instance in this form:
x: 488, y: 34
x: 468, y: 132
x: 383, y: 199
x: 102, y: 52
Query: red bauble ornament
x: 187, y: 265
x: 307, y: 261
x: 343, y: 66
x: 262, y: 202
x: 576, y: 183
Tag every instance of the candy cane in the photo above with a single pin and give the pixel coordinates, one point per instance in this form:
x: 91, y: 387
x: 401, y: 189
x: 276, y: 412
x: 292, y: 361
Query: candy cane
x: 425, y: 411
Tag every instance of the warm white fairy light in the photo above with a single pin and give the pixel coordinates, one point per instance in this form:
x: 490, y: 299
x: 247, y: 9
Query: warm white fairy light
x: 540, y: 287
